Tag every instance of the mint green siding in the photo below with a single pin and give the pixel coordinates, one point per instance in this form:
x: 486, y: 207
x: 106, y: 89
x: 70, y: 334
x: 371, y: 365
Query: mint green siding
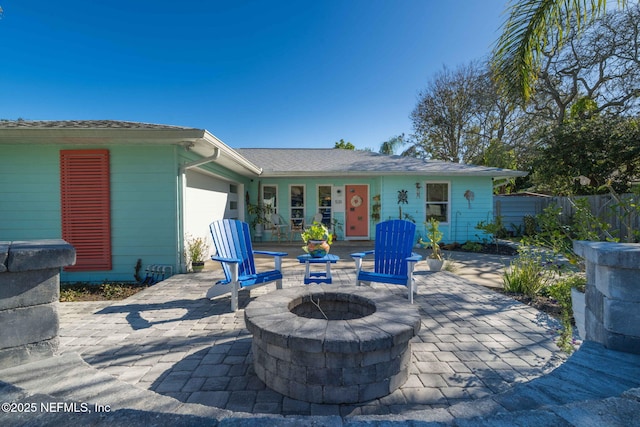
x: 143, y: 208
x: 30, y: 187
x: 143, y: 203
x: 463, y: 215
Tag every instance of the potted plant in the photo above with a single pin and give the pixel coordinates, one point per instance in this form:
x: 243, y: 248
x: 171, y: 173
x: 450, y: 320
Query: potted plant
x: 196, y: 251
x: 260, y: 217
x: 317, y: 240
x: 435, y: 261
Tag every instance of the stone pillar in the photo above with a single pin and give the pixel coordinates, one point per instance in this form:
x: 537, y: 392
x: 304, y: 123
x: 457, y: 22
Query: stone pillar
x: 29, y: 294
x: 612, y: 315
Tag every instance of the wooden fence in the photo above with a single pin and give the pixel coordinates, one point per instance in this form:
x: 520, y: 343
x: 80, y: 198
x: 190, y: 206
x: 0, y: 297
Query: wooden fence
x: 624, y: 225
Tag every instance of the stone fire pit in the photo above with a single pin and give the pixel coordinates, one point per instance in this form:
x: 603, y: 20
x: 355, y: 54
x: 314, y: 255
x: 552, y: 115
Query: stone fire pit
x: 354, y: 348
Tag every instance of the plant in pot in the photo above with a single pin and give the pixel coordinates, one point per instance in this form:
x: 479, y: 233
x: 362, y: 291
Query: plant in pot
x: 317, y: 240
x: 435, y: 260
x: 260, y: 218
x: 196, y: 251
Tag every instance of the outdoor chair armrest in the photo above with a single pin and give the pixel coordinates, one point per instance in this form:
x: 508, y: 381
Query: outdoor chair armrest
x: 229, y: 260
x: 270, y: 253
x: 362, y: 254
x: 414, y: 258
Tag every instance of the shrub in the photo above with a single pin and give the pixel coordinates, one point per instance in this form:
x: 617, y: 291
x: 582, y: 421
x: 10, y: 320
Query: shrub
x: 530, y: 225
x: 527, y: 273
x: 472, y: 246
x: 561, y: 292
x: 450, y: 266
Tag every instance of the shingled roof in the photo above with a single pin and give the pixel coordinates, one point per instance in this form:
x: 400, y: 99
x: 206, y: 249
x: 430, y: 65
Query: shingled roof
x: 330, y: 162
x: 81, y: 124
x: 274, y: 162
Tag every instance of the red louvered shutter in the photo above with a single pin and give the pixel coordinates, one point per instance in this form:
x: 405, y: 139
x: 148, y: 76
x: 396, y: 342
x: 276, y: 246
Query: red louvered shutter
x: 86, y: 210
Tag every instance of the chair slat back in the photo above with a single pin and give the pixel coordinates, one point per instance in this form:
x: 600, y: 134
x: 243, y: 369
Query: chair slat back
x: 232, y: 239
x: 394, y: 243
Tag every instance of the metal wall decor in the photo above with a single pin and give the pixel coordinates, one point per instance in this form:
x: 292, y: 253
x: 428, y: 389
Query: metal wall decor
x: 469, y: 196
x: 403, y: 197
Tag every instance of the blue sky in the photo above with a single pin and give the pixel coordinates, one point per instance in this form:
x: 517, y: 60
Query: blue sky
x: 253, y: 73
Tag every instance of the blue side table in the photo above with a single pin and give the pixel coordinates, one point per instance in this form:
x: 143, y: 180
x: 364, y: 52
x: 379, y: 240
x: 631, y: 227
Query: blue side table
x: 319, y: 277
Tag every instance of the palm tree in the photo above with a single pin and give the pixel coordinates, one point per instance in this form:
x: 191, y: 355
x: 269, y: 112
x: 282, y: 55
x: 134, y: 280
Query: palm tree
x: 389, y: 146
x: 525, y: 33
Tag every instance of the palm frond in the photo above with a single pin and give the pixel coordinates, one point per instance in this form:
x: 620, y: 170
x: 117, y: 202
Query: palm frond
x: 527, y: 30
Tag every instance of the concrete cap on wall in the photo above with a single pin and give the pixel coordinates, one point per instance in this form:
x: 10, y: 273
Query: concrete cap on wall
x: 36, y: 255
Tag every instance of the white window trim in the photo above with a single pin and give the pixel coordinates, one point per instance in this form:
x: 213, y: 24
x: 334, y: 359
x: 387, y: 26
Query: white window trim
x: 318, y: 207
x: 304, y: 203
x: 448, y: 199
x: 277, y: 195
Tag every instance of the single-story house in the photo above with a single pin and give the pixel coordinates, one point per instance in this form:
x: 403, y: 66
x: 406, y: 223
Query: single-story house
x: 357, y: 189
x: 123, y: 191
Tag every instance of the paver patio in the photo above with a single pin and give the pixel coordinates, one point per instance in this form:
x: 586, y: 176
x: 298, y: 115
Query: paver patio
x: 473, y: 343
x: 168, y: 356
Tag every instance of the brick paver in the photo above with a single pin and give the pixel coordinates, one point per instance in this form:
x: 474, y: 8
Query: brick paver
x: 474, y: 342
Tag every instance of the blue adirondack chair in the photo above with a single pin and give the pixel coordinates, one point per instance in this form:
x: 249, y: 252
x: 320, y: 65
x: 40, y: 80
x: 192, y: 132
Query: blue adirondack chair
x: 394, y: 260
x: 232, y: 241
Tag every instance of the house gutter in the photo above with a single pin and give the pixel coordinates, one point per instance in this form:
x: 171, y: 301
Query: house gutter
x: 212, y: 150
x: 200, y: 162
x: 229, y: 153
x: 491, y: 174
x: 182, y: 197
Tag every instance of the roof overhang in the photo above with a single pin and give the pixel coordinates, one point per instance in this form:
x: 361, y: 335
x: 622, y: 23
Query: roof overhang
x: 200, y: 141
x: 500, y: 174
x: 229, y: 158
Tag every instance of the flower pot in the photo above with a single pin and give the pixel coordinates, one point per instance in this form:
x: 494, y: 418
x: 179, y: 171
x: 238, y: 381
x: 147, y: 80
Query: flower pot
x: 197, y: 266
x: 435, y: 264
x: 258, y: 232
x: 578, y: 304
x: 317, y: 248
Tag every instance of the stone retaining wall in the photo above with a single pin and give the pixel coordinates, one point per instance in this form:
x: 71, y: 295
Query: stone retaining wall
x: 29, y: 294
x: 612, y: 315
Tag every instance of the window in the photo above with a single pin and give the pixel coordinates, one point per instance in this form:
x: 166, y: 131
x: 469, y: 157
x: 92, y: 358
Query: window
x: 270, y: 202
x: 270, y: 197
x: 296, y: 194
x: 85, y: 204
x: 437, y: 205
x: 324, y: 203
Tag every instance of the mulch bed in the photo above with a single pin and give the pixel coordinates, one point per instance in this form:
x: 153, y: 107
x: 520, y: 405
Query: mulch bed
x: 484, y: 248
x: 77, y: 292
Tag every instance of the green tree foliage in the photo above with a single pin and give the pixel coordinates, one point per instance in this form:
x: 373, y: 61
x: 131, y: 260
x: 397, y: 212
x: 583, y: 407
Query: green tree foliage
x: 588, y: 156
x: 392, y: 144
x: 344, y: 145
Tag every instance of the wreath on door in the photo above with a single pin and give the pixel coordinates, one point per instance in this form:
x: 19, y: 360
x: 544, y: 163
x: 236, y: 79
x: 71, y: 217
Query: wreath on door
x: 356, y: 201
